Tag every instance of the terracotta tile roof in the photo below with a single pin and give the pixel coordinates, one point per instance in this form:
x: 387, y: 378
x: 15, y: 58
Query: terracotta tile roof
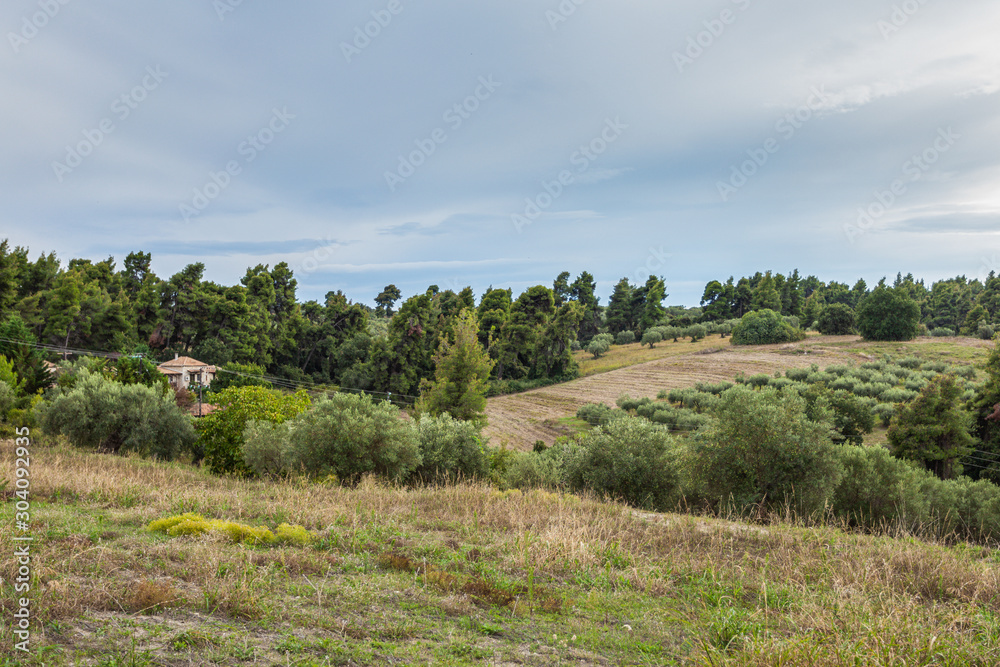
x: 182, y: 362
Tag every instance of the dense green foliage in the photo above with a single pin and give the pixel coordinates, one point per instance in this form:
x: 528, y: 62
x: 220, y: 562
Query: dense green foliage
x: 344, y: 435
x: 837, y: 319
x: 888, y: 314
x: 630, y: 460
x: 763, y: 448
x: 118, y: 418
x: 461, y: 371
x: 221, y: 432
x: 763, y: 327
x: 933, y: 429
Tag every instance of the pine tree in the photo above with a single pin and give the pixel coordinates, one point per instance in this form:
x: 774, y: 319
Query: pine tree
x: 933, y: 429
x: 460, y: 378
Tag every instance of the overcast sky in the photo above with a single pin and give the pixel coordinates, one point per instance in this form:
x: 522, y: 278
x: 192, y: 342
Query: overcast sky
x: 500, y: 142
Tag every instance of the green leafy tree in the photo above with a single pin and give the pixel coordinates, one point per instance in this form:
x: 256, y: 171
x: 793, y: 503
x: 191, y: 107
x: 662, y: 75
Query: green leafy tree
x: 450, y: 450
x: 619, y: 315
x: 631, y: 460
x: 598, y: 347
x: 462, y: 371
x: 221, y: 432
x: 717, y: 301
x: 933, y: 429
x: 345, y: 435
x: 239, y: 375
x: 652, y: 309
x: 651, y: 338
x: 837, y: 319
x: 582, y: 291
x: 985, y: 407
x: 850, y: 417
x: 118, y: 418
x: 386, y: 300
x: 560, y: 288
x: 888, y: 314
x: 17, y: 343
x: 975, y: 319
x: 764, y: 327
x: 138, y: 370
x: 763, y: 448
x: 766, y: 295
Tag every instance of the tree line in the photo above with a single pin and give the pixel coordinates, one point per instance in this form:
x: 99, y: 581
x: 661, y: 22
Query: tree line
x: 529, y: 337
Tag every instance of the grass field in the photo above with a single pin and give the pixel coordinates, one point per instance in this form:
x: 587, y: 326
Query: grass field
x: 466, y: 575
x: 519, y: 420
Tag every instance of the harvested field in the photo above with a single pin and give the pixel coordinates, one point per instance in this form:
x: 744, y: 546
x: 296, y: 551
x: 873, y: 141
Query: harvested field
x: 522, y: 419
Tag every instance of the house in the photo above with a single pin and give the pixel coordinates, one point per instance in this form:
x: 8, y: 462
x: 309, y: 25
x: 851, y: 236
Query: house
x: 185, y: 371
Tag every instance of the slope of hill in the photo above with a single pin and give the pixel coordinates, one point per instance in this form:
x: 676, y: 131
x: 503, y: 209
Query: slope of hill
x: 522, y: 419
x: 465, y: 575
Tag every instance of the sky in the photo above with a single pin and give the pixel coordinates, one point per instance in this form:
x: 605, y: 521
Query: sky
x: 501, y: 142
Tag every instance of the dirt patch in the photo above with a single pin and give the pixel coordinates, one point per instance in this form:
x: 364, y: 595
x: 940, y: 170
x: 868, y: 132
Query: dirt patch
x: 519, y: 420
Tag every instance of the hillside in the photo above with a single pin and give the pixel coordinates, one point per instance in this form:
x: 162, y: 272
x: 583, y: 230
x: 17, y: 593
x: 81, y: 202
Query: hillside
x: 467, y: 575
x: 522, y: 419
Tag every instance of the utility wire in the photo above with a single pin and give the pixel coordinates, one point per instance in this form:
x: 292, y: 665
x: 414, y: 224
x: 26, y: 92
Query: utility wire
x: 284, y: 383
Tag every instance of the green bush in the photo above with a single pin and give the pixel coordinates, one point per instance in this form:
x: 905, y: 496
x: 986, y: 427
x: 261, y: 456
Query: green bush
x: 7, y: 400
x: 888, y: 314
x: 546, y: 469
x: 598, y: 347
x: 837, y: 319
x: 651, y: 338
x: 594, y: 413
x: 874, y: 389
x: 878, y: 490
x: 450, y: 449
x: 762, y: 448
x: 629, y: 459
x: 117, y: 418
x: 986, y: 331
x: 349, y: 435
x: 897, y: 395
x: 713, y: 388
x: 221, y: 433
x: 884, y: 412
x: 238, y: 375
x: 797, y: 374
x: 627, y: 403
x: 696, y: 332
x: 625, y: 337
x: 942, y: 332
x: 762, y: 327
x: 911, y: 363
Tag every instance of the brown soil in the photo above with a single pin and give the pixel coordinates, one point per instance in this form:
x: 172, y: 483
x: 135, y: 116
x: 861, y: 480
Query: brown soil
x: 519, y: 420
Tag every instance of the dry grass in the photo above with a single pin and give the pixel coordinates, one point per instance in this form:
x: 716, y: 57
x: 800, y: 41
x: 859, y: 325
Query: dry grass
x: 522, y: 419
x: 466, y: 574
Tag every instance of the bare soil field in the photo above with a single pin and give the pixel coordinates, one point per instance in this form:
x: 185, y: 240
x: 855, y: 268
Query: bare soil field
x: 522, y: 419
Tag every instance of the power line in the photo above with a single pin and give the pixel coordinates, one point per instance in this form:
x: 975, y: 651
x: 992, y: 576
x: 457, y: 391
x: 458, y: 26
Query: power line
x: 284, y: 383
